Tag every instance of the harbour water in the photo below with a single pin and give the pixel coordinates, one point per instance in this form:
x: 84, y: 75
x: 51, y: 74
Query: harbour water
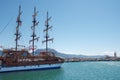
x: 71, y: 71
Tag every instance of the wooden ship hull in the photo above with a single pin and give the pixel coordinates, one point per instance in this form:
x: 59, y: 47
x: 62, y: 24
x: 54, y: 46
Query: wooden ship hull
x: 25, y: 61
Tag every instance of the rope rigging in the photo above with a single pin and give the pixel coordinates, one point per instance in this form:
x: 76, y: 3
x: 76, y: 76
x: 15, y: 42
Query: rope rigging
x: 6, y: 25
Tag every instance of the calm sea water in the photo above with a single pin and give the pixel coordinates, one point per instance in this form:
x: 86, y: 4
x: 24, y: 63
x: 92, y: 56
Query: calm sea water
x: 71, y: 71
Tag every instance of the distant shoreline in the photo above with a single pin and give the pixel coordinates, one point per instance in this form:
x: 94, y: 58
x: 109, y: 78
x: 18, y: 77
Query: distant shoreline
x: 92, y: 59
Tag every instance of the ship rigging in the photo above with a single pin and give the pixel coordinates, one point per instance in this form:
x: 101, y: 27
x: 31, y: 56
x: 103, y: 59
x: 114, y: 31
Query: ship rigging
x: 48, y: 27
x: 19, y: 23
x: 34, y: 37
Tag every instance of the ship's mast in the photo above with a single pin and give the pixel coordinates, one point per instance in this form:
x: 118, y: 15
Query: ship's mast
x: 48, y: 27
x: 19, y: 22
x: 35, y: 23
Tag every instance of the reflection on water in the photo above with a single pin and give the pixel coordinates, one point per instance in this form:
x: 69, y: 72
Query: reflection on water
x: 32, y: 75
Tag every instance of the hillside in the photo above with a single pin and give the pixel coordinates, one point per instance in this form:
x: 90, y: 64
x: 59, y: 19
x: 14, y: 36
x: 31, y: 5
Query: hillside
x: 63, y: 55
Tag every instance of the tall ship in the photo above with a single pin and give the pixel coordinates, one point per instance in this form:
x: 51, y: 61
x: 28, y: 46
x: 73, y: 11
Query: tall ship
x: 21, y: 59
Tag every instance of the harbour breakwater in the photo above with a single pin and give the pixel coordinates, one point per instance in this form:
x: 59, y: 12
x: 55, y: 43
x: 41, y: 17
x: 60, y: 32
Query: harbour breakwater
x: 107, y: 58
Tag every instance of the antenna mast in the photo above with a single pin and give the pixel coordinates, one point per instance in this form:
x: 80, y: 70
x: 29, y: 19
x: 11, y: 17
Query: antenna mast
x: 35, y: 23
x: 19, y: 23
x: 48, y: 27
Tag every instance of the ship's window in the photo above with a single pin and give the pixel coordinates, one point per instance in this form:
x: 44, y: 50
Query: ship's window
x: 24, y: 54
x: 10, y: 55
x: 3, y: 55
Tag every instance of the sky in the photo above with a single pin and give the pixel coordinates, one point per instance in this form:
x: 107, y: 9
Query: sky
x: 87, y: 27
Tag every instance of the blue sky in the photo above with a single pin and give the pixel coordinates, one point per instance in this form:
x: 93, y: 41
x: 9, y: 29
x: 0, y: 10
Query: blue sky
x: 88, y: 27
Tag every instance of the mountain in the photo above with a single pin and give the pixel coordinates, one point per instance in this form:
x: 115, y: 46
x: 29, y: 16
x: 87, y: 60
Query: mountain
x: 58, y: 53
x: 63, y: 55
